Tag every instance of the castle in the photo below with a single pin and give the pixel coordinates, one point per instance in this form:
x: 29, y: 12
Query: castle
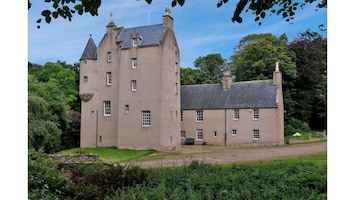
x: 132, y: 98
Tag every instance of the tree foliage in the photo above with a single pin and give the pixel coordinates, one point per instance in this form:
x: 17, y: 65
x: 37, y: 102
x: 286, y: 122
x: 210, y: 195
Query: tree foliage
x: 53, y: 122
x: 259, y: 8
x: 208, y: 69
x: 310, y: 85
x: 255, y: 57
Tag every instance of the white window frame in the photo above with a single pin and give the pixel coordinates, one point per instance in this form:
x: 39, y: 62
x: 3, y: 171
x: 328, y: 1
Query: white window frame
x: 134, y: 63
x: 234, y: 132
x: 108, y: 78
x: 214, y: 133
x: 85, y: 79
x: 134, y: 42
x: 126, y: 108
x: 182, y: 134
x: 146, y: 118
x: 199, y: 134
x: 256, y: 134
x: 134, y: 85
x: 256, y: 114
x: 109, y: 56
x: 199, y: 115
x: 236, y: 114
x: 107, y: 108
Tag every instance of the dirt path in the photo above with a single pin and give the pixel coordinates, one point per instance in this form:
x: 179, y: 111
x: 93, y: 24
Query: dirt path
x: 225, y: 155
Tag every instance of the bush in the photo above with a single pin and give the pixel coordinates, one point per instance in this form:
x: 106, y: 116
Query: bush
x: 294, y: 125
x: 44, y: 180
x: 98, y: 181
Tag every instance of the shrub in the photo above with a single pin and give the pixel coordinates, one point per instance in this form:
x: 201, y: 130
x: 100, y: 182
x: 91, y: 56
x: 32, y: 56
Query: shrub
x: 44, y: 180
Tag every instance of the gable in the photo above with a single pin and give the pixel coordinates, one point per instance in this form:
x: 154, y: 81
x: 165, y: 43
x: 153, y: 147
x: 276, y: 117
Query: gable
x: 151, y: 35
x: 248, y: 94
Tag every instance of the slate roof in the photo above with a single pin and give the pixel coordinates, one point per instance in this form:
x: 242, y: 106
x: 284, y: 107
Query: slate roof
x: 90, y: 51
x: 151, y: 35
x: 248, y: 94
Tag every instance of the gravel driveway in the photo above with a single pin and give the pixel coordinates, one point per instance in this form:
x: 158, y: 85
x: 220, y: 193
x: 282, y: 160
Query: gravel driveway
x: 225, y: 155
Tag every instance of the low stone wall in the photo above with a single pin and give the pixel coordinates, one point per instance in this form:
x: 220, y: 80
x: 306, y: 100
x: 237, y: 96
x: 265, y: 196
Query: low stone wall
x: 76, y: 158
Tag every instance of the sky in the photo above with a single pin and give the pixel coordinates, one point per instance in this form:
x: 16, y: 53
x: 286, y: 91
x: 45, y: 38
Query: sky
x: 200, y: 28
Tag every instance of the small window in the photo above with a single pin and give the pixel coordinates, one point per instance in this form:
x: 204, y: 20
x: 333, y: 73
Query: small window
x: 134, y: 63
x: 109, y: 57
x: 108, y: 78
x: 92, y: 113
x: 256, y: 134
x: 255, y: 114
x: 134, y: 42
x: 199, y: 115
x: 182, y: 134
x: 234, y: 132
x: 107, y: 108
x: 236, y: 114
x: 146, y: 118
x: 214, y: 133
x: 126, y: 108
x: 181, y: 115
x: 199, y: 134
x: 176, y: 67
x: 134, y: 85
x: 85, y: 79
x: 176, y: 88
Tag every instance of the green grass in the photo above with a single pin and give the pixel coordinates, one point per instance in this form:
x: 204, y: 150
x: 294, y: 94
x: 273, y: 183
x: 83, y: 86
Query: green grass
x: 111, y: 154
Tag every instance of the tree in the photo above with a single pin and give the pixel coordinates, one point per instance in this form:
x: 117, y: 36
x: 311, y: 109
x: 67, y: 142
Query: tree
x: 213, y: 65
x: 286, y: 8
x: 255, y: 57
x: 310, y: 85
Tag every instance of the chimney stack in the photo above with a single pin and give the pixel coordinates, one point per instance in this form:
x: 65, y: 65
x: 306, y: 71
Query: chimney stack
x: 227, y: 81
x: 168, y: 21
x: 277, y: 75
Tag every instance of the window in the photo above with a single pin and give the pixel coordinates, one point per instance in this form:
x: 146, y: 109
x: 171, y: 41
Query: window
x: 134, y: 63
x: 256, y: 134
x: 256, y: 114
x: 126, y: 108
x: 176, y: 88
x: 92, y: 113
x: 214, y: 133
x: 85, y: 79
x: 182, y: 134
x: 134, y: 85
x: 199, y: 115
x: 134, y: 42
x: 181, y: 115
x: 109, y: 57
x: 107, y: 108
x: 176, y: 67
x: 236, y: 114
x: 146, y: 118
x: 199, y: 134
x: 108, y: 78
x: 234, y: 132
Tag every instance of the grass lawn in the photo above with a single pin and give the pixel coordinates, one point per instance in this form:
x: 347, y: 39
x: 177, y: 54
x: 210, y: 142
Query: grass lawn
x: 110, y: 154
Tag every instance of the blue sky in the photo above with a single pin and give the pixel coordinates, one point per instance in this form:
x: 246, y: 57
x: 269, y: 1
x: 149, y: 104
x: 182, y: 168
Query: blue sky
x: 200, y: 27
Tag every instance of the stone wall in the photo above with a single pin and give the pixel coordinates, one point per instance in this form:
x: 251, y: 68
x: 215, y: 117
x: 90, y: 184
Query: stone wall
x: 76, y: 158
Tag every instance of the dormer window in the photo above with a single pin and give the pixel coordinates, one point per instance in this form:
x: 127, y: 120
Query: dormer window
x: 136, y: 39
x: 134, y: 42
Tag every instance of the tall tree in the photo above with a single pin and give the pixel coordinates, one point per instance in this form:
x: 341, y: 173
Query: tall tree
x: 255, y: 57
x: 212, y: 66
x: 260, y: 8
x: 310, y: 85
x: 44, y: 124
